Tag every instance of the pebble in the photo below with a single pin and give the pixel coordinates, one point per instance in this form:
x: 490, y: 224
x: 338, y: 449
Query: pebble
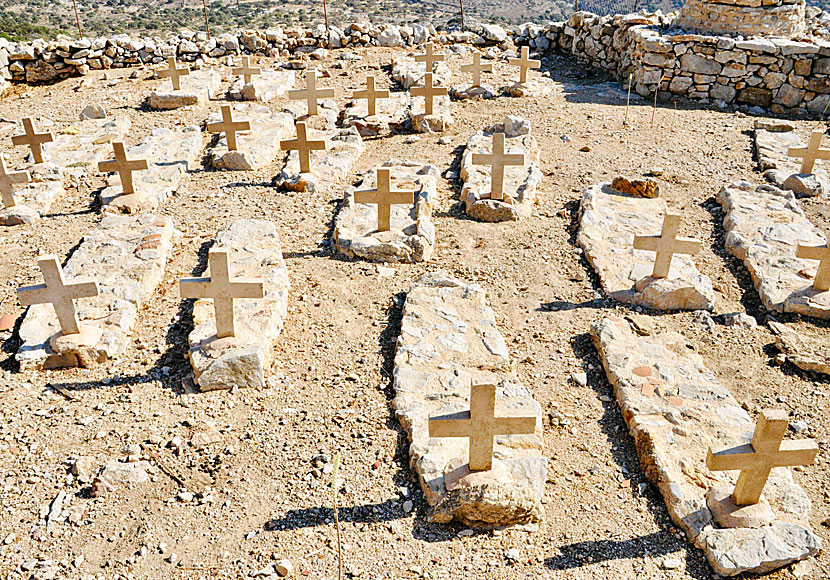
x: 672, y: 563
x: 284, y: 568
x: 173, y: 558
x: 512, y: 554
x: 407, y: 506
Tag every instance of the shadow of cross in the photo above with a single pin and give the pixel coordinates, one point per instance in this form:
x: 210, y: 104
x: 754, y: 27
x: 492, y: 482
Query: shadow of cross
x: 123, y: 166
x: 246, y: 71
x: 480, y: 425
x: 33, y: 139
x: 8, y: 181
x: 311, y: 93
x: 59, y: 292
x: 371, y: 95
x: 229, y: 126
x: 429, y: 57
x: 756, y: 459
x: 428, y: 91
x: 498, y: 160
x: 822, y: 254
x: 524, y: 63
x: 667, y: 244
x: 303, y: 146
x: 222, y: 290
x: 384, y: 198
x: 809, y: 154
x: 477, y: 68
x: 173, y: 73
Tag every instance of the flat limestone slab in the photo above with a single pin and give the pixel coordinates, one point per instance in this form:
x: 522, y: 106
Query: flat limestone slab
x: 607, y: 226
x: 241, y: 361
x: 325, y: 119
x: 469, y: 92
x: 328, y: 168
x: 408, y: 73
x: 198, y: 88
x: 676, y: 409
x: 170, y: 154
x: 448, y: 336
x: 764, y: 226
x: 804, y: 345
x: 391, y: 115
x: 535, y: 87
x: 32, y: 202
x: 412, y: 236
x: 257, y: 147
x: 437, y: 122
x: 264, y: 87
x: 772, y: 141
x: 520, y: 182
x: 127, y: 255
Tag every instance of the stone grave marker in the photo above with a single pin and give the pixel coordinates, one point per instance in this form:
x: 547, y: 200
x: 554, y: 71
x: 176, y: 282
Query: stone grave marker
x: 174, y: 73
x: 229, y: 127
x: 475, y: 90
x: 123, y: 167
x: 384, y: 198
x: 9, y: 180
x: 666, y: 245
x: 371, y: 95
x: 374, y: 112
x: 523, y: 88
x: 498, y: 160
x: 424, y: 117
x: 32, y: 139
x: 811, y: 153
x: 409, y: 72
x: 259, y: 147
x: 303, y: 147
x: 311, y: 93
x: 196, y: 88
x: 821, y: 281
x: 778, y: 148
x: 525, y: 63
x: 246, y: 71
x: 319, y: 158
x: 262, y: 85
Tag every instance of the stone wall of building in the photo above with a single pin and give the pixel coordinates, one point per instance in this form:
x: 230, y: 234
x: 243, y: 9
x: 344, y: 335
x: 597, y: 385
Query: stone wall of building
x: 745, y: 17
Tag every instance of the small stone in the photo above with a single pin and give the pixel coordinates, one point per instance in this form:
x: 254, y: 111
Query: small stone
x: 672, y: 563
x: 580, y: 378
x: 185, y: 496
x: 637, y: 187
x: 250, y: 535
x: 799, y: 426
x: 407, y: 506
x: 173, y: 558
x: 7, y: 322
x: 512, y: 554
x: 739, y: 320
x: 94, y: 111
x: 284, y: 568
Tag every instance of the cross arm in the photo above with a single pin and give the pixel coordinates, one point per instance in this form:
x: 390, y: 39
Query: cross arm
x: 650, y: 243
x: 248, y: 288
x: 734, y: 458
x: 451, y: 425
x: 195, y: 288
x: 801, y: 452
x: 515, y: 425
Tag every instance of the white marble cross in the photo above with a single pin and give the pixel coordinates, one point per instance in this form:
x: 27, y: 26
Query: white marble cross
x: 33, y: 139
x: 428, y: 91
x: 311, y: 93
x: 303, y: 146
x: 229, y: 126
x: 384, y: 197
x: 173, y: 73
x: 809, y: 154
x: 666, y: 245
x: 477, y: 68
x: 822, y: 254
x: 8, y: 180
x: 429, y: 57
x: 524, y: 63
x: 371, y: 95
x: 498, y: 160
x: 246, y: 71
x: 123, y: 166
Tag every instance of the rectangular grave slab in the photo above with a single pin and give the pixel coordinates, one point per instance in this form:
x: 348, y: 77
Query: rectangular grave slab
x: 608, y: 223
x: 772, y: 141
x: 170, y: 154
x: 391, y: 115
x: 412, y: 236
x: 437, y: 122
x: 764, y: 226
x: 264, y: 87
x: 804, y: 345
x: 408, y: 73
x: 448, y: 337
x: 127, y: 256
x: 198, y: 88
x: 328, y: 168
x: 255, y: 148
x: 676, y: 409
x: 255, y: 252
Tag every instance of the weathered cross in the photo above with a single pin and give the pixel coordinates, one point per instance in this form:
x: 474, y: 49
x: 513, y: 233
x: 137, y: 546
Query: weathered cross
x: 385, y: 198
x: 498, y: 160
x: 428, y: 91
x: 33, y: 139
x: 370, y: 94
x: 809, y: 154
x: 480, y: 425
x: 524, y: 63
x: 666, y: 245
x: 303, y: 146
x: 222, y: 289
x: 123, y: 166
x: 756, y: 459
x: 822, y: 254
x: 429, y: 57
x: 174, y: 73
x: 229, y: 126
x: 477, y: 68
x: 311, y: 93
x: 59, y: 292
x: 8, y: 180
x: 246, y: 70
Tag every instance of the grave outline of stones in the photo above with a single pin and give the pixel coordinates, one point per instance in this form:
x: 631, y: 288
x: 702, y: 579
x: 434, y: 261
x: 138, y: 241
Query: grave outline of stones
x: 428, y: 91
x: 310, y: 93
x: 8, y: 181
x: 822, y: 254
x: 384, y: 197
x: 666, y: 244
x: 498, y: 160
x: 480, y: 425
x: 429, y: 58
x: 173, y: 73
x: 371, y: 95
x: 54, y: 290
x: 246, y: 71
x: 304, y: 147
x: 476, y: 68
x: 123, y: 167
x: 766, y: 446
x: 219, y: 287
x: 525, y: 63
x: 229, y: 127
x: 33, y: 139
x: 811, y: 153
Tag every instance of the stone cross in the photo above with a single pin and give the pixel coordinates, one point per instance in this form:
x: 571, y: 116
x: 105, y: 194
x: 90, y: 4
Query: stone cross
x: 303, y: 146
x: 809, y: 154
x: 477, y: 68
x: 311, y: 92
x: 174, y: 73
x: 480, y: 425
x: 666, y: 245
x: 822, y: 254
x: 246, y: 70
x: 59, y: 292
x: 756, y: 459
x: 524, y: 63
x: 429, y: 57
x: 229, y: 126
x: 8, y: 180
x: 222, y: 290
x: 498, y: 160
x: 370, y: 94
x: 428, y: 91
x: 385, y: 198
x: 124, y: 167
x: 33, y: 139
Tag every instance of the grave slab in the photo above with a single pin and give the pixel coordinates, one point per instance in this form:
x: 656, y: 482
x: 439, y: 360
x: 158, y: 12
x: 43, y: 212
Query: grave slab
x: 608, y: 224
x: 772, y: 142
x: 435, y: 122
x: 676, y: 409
x: 764, y: 226
x: 126, y: 255
x: 242, y: 360
x: 448, y: 339
x: 171, y: 153
x: 32, y: 201
x: 536, y: 87
x: 325, y: 119
x: 391, y: 115
x: 197, y: 88
x: 412, y: 234
x: 264, y: 87
x: 468, y: 92
x: 327, y: 167
x: 804, y: 345
x: 257, y: 147
x: 520, y: 182
x: 408, y: 73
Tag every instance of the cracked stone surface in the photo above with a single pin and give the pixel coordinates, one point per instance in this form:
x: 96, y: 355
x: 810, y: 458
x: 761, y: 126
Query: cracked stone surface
x: 257, y: 147
x: 390, y: 115
x: 440, y: 119
x: 608, y: 223
x: 764, y: 226
x: 127, y: 255
x: 328, y: 167
x: 771, y: 144
x: 412, y: 236
x: 264, y: 87
x: 448, y: 336
x: 197, y: 89
x: 408, y: 73
x: 805, y: 347
x: 675, y: 409
x: 255, y: 252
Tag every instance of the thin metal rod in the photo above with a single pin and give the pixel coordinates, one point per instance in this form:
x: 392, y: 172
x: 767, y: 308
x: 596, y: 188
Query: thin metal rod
x: 461, y: 5
x: 77, y: 18
x: 207, y: 24
x: 326, y: 17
